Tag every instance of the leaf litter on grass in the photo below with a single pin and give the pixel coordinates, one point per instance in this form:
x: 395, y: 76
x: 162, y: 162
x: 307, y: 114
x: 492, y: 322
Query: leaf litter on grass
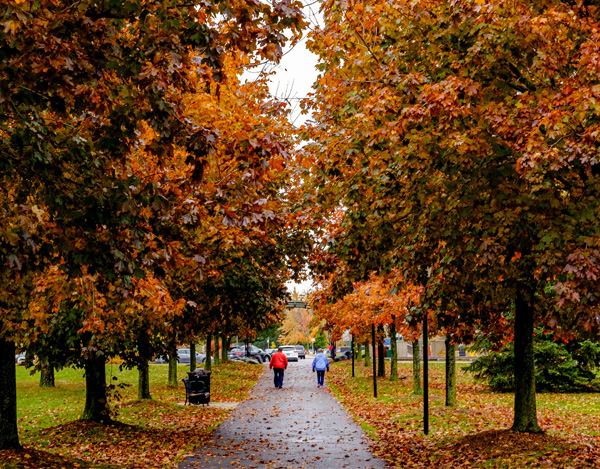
x: 151, y: 433
x: 474, y: 433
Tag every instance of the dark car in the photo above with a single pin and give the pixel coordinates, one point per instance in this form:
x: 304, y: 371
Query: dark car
x: 266, y: 356
x: 347, y: 351
x: 301, y: 351
x: 237, y: 353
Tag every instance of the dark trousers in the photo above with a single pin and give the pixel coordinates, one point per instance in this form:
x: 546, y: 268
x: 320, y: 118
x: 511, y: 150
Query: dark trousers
x: 320, y: 377
x: 278, y: 377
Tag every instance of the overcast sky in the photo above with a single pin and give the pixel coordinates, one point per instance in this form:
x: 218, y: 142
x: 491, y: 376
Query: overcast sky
x: 297, y: 71
x: 293, y: 81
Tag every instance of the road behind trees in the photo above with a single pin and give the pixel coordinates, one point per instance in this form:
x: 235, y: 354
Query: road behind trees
x: 297, y: 426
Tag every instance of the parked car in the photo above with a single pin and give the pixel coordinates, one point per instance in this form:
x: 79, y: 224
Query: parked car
x: 203, y: 359
x: 301, y: 351
x: 183, y: 356
x: 290, y: 352
x: 20, y: 358
x: 344, y: 351
x: 265, y: 356
x: 236, y: 353
x: 270, y: 351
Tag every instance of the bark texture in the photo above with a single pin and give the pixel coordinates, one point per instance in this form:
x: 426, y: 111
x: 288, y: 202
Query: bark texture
x: 9, y: 436
x: 394, y: 351
x: 208, y: 362
x: 96, y: 402
x: 367, y: 355
x: 225, y: 342
x: 525, y: 419
x: 193, y: 364
x: 144, y: 367
x: 450, y: 373
x: 381, y: 355
x: 46, y: 374
x: 216, y: 353
x: 172, y: 352
x: 380, y: 360
x: 417, y: 388
x: 144, y: 381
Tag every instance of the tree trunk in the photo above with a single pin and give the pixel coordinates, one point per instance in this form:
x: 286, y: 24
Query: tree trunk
x: 144, y: 367
x: 417, y: 388
x: 450, y: 373
x: 525, y: 419
x: 381, y: 356
x: 224, y: 348
x: 172, y: 352
x: 96, y: 402
x: 193, y: 363
x: 46, y: 374
x: 394, y: 351
x: 9, y: 436
x: 216, y: 351
x: 208, y: 363
x: 144, y: 381
x: 367, y: 355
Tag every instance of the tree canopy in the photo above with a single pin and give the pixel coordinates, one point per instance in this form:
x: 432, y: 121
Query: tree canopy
x: 458, y: 143
x: 131, y: 151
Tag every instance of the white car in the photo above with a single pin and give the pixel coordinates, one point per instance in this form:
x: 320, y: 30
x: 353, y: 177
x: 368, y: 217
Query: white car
x: 290, y: 352
x: 20, y: 358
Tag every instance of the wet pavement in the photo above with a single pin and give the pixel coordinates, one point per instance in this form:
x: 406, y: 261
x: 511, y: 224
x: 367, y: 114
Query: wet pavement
x: 299, y: 426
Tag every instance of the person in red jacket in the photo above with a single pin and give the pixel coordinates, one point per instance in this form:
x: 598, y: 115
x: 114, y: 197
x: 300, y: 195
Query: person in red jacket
x: 278, y: 363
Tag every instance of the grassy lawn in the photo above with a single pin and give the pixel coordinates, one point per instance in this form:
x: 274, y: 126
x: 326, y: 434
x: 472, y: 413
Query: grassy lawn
x: 476, y: 432
x: 152, y: 433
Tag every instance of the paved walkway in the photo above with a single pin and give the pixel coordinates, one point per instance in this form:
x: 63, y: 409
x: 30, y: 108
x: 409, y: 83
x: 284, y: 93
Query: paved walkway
x: 299, y: 426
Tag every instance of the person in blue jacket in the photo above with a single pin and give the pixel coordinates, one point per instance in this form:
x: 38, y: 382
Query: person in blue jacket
x: 320, y: 364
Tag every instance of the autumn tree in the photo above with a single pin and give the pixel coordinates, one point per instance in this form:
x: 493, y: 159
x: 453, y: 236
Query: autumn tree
x: 295, y: 328
x: 82, y: 327
x: 21, y: 242
x: 382, y: 300
x: 461, y: 142
x: 77, y: 92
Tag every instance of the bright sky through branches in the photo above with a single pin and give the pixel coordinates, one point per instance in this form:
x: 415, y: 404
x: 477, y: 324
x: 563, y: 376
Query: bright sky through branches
x: 291, y: 82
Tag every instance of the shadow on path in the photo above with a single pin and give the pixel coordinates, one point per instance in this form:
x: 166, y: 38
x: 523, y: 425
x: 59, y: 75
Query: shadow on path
x: 297, y: 426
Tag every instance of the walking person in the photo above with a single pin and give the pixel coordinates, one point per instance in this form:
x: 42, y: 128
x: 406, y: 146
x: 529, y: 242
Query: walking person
x: 278, y: 364
x: 320, y: 364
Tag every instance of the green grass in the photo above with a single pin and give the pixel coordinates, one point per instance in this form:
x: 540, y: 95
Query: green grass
x: 153, y: 433
x: 476, y: 432
x: 368, y: 429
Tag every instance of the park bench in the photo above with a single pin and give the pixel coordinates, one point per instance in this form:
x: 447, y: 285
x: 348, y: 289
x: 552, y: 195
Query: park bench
x: 197, y: 388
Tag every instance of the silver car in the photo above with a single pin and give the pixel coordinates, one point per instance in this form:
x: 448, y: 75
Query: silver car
x: 183, y: 356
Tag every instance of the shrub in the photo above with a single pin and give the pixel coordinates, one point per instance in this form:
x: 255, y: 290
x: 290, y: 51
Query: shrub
x: 560, y: 367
